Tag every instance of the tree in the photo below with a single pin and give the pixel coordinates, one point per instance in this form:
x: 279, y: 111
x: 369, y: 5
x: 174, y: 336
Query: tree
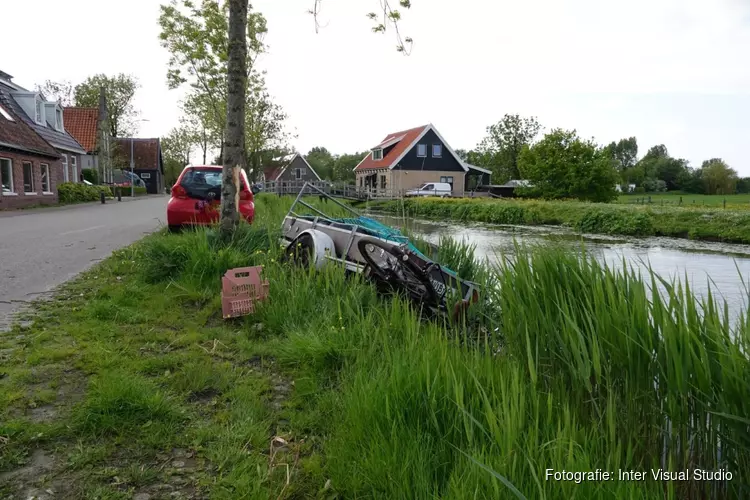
x: 234, y: 135
x: 119, y: 91
x: 343, y: 166
x: 624, y: 152
x: 743, y: 185
x: 264, y: 125
x: 718, y: 177
x: 501, y: 148
x: 657, y: 164
x: 61, y: 92
x: 390, y: 16
x: 562, y: 165
x: 322, y: 161
x: 176, y: 148
x: 196, y: 37
x: 198, y: 120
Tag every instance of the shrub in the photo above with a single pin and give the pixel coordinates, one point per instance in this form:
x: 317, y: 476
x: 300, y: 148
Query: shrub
x: 90, y: 175
x: 79, y: 193
x: 608, y: 221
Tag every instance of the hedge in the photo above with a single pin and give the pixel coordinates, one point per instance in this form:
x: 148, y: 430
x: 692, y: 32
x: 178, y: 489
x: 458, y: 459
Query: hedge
x: 70, y: 192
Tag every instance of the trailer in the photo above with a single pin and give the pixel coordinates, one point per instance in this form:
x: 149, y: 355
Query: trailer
x: 379, y: 252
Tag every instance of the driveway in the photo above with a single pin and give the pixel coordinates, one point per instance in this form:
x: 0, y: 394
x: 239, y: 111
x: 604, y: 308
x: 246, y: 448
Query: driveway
x: 40, y: 249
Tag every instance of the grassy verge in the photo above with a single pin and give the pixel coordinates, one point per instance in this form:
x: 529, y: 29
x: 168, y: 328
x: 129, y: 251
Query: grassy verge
x: 129, y: 382
x: 616, y: 219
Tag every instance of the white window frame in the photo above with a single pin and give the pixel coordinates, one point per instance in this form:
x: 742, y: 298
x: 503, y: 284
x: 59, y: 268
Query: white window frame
x: 5, y: 114
x: 377, y: 154
x: 10, y: 170
x: 74, y: 167
x: 65, y: 167
x: 44, y: 168
x: 423, y: 148
x: 439, y: 149
x: 31, y: 172
x: 300, y: 173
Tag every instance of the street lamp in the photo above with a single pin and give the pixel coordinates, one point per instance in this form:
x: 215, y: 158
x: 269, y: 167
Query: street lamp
x: 132, y: 164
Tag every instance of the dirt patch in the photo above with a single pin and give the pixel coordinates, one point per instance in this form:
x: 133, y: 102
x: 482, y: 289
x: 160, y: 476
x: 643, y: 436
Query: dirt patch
x: 44, y: 413
x: 40, y: 464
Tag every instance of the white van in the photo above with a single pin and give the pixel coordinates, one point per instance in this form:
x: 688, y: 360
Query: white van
x: 442, y: 189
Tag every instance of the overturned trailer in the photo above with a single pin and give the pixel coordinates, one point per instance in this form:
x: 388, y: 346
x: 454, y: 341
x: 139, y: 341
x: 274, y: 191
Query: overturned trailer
x: 381, y: 253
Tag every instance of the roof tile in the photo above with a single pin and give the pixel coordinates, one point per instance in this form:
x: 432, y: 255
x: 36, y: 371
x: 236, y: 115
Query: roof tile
x: 407, y: 137
x: 82, y: 124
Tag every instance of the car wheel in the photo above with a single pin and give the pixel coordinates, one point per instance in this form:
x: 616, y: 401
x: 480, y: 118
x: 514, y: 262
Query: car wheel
x: 175, y: 228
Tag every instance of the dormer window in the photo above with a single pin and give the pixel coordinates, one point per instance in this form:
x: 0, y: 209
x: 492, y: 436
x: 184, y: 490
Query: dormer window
x: 377, y: 154
x: 58, y: 119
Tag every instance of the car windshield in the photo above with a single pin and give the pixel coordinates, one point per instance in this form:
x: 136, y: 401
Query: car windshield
x: 199, y: 182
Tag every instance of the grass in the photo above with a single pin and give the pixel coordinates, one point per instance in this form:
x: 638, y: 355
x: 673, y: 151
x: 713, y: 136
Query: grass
x: 332, y: 391
x: 710, y: 224
x: 676, y: 198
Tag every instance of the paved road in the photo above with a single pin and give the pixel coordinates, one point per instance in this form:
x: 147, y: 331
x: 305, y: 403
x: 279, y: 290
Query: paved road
x: 42, y: 249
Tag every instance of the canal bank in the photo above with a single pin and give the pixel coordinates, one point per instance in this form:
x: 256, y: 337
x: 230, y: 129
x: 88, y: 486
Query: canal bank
x: 703, y: 224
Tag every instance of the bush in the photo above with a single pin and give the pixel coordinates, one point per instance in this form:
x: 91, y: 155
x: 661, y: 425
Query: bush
x: 90, y: 175
x: 80, y: 193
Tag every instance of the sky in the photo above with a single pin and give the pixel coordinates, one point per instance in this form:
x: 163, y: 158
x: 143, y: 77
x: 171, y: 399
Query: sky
x: 673, y: 72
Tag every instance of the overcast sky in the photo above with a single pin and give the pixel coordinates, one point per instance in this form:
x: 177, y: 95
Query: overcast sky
x: 666, y: 71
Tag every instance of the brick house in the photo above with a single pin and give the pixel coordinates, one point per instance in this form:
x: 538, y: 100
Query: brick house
x: 46, y: 119
x: 410, y: 158
x: 148, y: 161
x: 30, y: 168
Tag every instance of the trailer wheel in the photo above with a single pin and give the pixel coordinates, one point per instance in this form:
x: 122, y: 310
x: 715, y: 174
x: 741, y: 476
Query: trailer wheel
x: 310, y: 248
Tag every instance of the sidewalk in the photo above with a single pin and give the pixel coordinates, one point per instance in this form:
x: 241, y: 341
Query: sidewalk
x: 56, y: 208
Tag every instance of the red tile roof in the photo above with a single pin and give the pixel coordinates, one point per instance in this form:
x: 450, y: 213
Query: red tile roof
x: 14, y: 133
x: 82, y: 124
x: 407, y: 138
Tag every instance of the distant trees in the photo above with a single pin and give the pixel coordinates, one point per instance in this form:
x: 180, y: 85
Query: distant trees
x: 333, y: 167
x: 119, y: 91
x: 562, y: 165
x: 499, y: 151
x: 718, y: 178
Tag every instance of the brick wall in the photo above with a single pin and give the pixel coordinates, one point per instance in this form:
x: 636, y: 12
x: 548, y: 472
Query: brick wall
x: 22, y: 199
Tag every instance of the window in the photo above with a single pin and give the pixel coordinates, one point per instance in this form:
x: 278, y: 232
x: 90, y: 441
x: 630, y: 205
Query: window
x: 377, y: 154
x: 448, y: 179
x: 38, y: 111
x: 361, y: 181
x: 59, y: 121
x: 6, y: 175
x: 45, y: 178
x: 300, y: 172
x: 382, y: 182
x: 5, y: 114
x: 65, y: 167
x: 74, y: 167
x: 421, y: 150
x: 28, y: 177
x: 428, y: 187
x: 437, y: 150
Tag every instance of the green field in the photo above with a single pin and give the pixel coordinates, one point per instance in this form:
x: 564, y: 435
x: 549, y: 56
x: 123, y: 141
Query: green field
x: 129, y: 384
x: 734, y: 201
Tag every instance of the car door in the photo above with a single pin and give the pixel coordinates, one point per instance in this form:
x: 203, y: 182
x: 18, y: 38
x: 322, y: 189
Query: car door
x: 428, y: 190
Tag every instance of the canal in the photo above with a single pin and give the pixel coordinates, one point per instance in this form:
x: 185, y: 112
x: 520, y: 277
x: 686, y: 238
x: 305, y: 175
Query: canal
x: 722, y: 268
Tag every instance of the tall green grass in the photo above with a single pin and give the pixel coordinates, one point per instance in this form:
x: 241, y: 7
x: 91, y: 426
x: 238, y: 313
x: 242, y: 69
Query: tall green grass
x: 597, y: 370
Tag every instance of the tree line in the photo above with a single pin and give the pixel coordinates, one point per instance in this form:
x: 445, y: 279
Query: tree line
x: 560, y: 164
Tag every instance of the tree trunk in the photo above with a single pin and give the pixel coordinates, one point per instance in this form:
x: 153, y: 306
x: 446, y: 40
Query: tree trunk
x: 233, y: 152
x: 204, y: 146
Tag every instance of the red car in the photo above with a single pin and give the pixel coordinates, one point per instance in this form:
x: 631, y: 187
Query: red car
x: 196, y: 197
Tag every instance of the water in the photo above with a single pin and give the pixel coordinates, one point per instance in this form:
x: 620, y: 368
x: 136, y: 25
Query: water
x: 722, y: 267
